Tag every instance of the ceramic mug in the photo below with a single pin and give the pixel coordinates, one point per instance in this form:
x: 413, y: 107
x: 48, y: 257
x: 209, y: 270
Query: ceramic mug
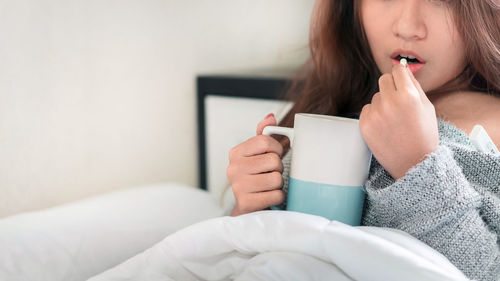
x: 330, y: 164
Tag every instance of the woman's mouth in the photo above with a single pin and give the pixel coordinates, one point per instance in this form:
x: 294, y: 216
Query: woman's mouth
x: 415, y: 63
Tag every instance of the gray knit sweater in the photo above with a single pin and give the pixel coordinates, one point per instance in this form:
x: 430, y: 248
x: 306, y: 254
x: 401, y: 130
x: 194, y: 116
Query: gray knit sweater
x: 450, y: 201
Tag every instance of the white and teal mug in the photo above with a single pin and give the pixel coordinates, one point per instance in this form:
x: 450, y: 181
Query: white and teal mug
x: 330, y: 164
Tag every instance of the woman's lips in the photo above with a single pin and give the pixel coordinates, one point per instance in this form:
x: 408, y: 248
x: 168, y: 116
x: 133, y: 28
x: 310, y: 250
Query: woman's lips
x: 413, y: 67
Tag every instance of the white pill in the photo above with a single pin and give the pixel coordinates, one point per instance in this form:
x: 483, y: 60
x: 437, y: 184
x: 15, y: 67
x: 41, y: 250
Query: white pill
x: 403, y: 62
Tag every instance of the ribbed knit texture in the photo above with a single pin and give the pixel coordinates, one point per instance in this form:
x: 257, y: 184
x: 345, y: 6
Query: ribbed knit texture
x: 450, y: 201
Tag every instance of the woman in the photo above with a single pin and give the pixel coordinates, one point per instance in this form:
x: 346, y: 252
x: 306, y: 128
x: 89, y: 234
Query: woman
x: 426, y: 178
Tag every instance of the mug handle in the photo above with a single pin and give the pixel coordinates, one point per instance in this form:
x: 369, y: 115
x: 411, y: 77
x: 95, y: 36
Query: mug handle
x: 276, y: 130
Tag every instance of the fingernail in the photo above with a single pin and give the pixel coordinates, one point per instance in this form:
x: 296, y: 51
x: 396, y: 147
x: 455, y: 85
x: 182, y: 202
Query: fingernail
x: 269, y: 115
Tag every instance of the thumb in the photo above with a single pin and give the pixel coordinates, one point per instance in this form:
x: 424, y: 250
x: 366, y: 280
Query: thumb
x: 269, y: 120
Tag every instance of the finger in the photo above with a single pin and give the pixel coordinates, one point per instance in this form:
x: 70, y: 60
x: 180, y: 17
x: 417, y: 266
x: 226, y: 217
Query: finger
x: 267, y: 162
x: 403, y: 81
x: 262, y: 200
x: 364, y: 118
x: 376, y: 99
x: 386, y: 83
x: 364, y: 113
x: 258, y: 145
x: 269, y: 120
x: 263, y: 182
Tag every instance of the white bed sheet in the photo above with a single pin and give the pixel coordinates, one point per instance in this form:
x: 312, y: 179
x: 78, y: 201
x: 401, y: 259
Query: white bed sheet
x: 76, y: 241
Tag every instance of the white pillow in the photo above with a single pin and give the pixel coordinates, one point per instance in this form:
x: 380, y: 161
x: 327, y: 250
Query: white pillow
x: 78, y: 240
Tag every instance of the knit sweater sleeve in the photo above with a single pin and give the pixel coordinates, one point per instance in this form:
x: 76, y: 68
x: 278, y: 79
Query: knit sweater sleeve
x: 435, y: 203
x: 286, y: 160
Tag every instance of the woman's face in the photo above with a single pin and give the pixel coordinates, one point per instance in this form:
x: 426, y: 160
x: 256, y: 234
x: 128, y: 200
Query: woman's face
x: 417, y: 28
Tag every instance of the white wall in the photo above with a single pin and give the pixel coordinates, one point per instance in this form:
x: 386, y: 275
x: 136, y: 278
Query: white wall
x: 97, y: 95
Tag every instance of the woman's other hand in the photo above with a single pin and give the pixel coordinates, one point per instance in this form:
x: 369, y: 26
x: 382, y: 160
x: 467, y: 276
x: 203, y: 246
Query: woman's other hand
x: 400, y: 125
x: 255, y: 171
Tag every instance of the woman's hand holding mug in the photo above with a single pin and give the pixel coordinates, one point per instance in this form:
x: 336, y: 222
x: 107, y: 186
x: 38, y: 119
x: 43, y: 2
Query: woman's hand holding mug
x: 255, y: 171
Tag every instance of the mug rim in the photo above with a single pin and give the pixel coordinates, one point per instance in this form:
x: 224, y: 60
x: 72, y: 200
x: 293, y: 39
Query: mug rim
x: 328, y: 117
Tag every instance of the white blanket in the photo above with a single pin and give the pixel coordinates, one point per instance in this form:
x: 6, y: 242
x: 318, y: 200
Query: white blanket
x: 78, y: 240
x: 283, y: 245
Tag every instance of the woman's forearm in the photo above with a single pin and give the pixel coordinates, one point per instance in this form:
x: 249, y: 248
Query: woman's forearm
x: 435, y: 203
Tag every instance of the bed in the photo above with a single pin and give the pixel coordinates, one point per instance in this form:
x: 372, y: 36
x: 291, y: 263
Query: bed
x: 172, y: 231
x: 78, y: 240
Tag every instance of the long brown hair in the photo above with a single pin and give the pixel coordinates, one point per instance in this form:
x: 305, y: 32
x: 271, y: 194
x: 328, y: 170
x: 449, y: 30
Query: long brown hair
x: 341, y: 76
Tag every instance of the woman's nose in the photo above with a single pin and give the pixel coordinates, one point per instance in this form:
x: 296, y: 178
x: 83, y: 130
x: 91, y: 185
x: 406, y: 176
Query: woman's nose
x: 409, y: 24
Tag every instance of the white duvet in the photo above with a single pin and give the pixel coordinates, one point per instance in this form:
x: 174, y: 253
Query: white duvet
x: 279, y: 245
